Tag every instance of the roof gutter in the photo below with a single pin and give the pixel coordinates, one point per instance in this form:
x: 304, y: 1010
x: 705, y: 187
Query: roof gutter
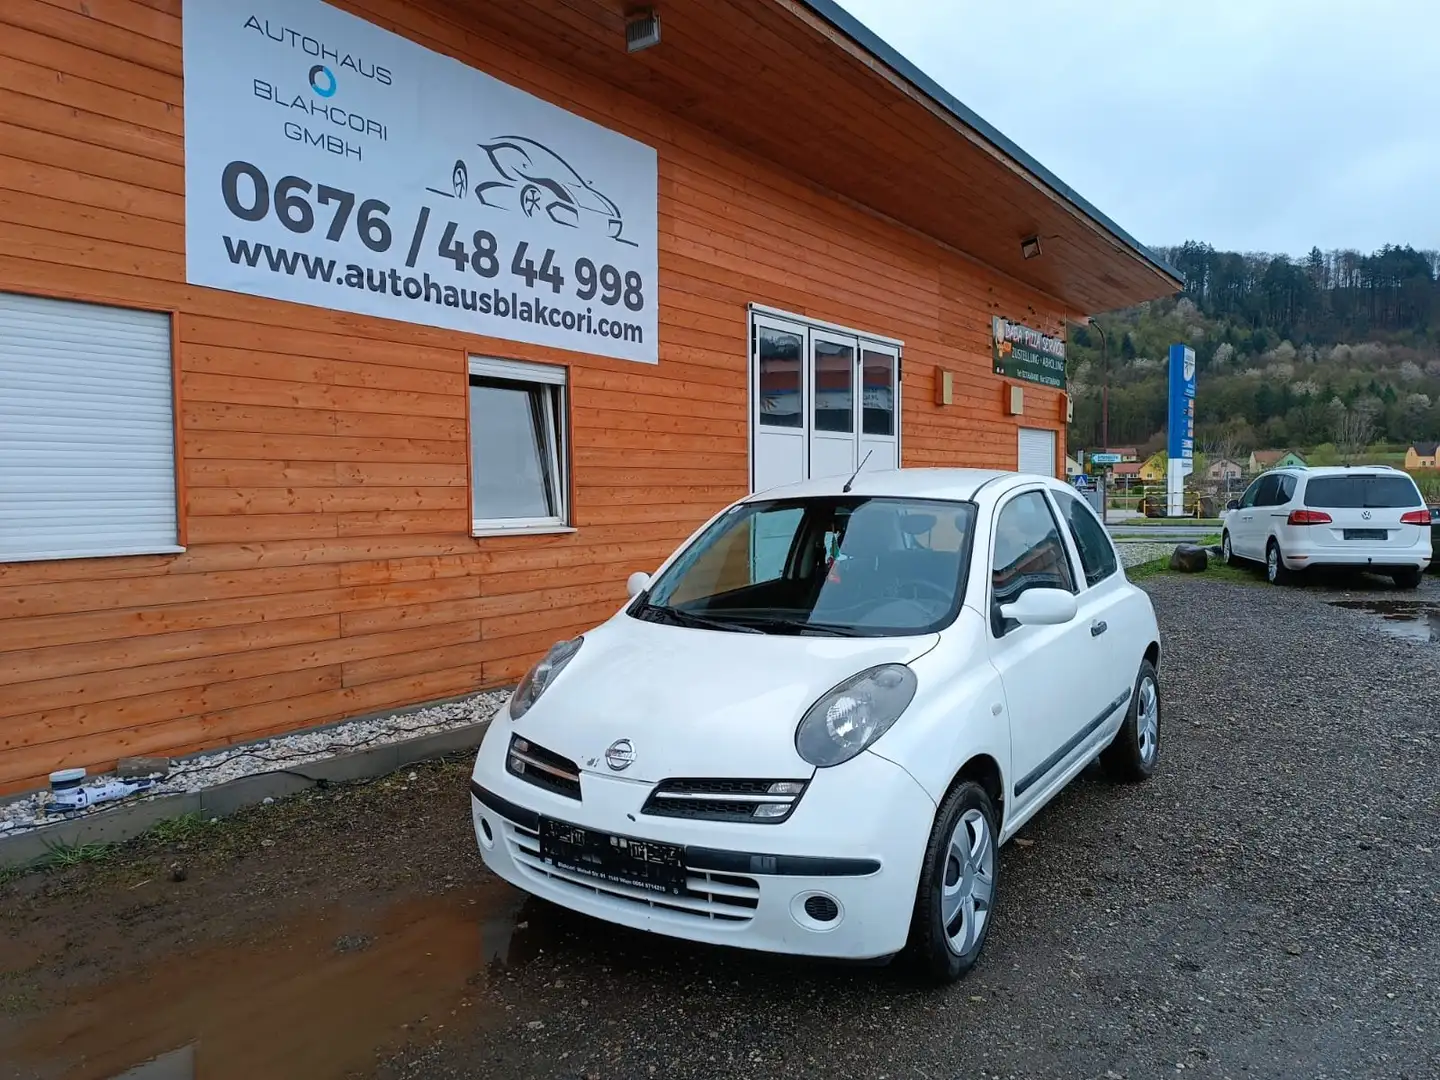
x: 841, y: 20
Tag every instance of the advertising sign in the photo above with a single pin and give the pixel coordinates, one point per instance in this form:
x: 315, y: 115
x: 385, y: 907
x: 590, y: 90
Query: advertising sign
x: 1181, y: 433
x: 332, y: 163
x: 1022, y: 353
x: 1105, y: 459
x: 1181, y: 428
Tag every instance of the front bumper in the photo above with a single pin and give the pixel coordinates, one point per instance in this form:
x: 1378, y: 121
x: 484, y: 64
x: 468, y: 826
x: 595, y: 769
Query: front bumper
x: 857, y: 837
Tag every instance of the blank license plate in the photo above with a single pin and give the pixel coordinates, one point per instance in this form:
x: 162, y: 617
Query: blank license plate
x: 623, y: 860
x: 1365, y: 534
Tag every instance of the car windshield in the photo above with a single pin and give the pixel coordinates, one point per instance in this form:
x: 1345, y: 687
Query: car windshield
x: 843, y: 566
x: 1366, y: 491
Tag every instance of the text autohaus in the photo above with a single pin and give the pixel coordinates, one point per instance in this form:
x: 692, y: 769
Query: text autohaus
x: 319, y: 105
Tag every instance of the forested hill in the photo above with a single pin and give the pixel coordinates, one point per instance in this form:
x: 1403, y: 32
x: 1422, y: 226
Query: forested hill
x: 1334, y: 346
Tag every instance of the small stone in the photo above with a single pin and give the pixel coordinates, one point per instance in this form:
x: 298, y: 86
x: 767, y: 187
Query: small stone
x: 178, y: 872
x: 267, y: 843
x: 266, y: 801
x: 559, y: 984
x: 1020, y: 841
x: 1294, y: 950
x: 535, y: 1025
x: 412, y: 777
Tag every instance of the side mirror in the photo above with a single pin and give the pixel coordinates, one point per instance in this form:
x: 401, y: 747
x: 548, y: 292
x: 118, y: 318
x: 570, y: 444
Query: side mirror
x: 1233, y: 504
x: 637, y: 583
x: 1041, y: 607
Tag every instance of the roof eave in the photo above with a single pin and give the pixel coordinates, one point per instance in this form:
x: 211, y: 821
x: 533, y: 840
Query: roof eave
x: 841, y: 20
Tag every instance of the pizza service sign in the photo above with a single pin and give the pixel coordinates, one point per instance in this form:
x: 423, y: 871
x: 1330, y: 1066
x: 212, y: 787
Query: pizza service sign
x: 329, y: 162
x: 1022, y: 353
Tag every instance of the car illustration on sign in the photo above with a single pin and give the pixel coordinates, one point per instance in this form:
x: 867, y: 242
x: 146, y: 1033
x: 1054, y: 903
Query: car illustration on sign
x: 849, y: 694
x: 520, y: 173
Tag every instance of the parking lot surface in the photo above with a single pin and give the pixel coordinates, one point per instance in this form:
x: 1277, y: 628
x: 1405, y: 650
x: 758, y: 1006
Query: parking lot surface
x: 1267, y: 906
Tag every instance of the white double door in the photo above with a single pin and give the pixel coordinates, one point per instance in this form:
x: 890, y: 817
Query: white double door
x: 821, y: 401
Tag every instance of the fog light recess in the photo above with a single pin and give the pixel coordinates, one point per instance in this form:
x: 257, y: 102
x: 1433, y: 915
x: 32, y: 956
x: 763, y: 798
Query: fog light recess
x: 487, y: 837
x: 817, y: 911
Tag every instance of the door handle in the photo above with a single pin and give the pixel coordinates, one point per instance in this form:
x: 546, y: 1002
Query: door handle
x: 1098, y: 627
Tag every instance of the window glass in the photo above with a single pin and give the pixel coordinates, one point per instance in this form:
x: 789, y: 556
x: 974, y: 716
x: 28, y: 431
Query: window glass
x: 834, y: 386
x: 516, y: 451
x: 1363, y: 491
x: 780, y: 377
x: 1028, y: 552
x: 845, y: 565
x: 1269, y: 485
x: 877, y: 392
x: 1248, y: 499
x: 1097, y: 554
x: 1286, y: 490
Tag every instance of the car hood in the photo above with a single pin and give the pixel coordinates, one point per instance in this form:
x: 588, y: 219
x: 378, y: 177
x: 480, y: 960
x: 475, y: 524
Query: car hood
x: 697, y: 703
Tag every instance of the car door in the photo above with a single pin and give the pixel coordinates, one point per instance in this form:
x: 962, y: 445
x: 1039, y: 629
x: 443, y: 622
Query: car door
x: 1053, y: 676
x: 1273, y: 516
x: 1245, y: 533
x: 1104, y: 593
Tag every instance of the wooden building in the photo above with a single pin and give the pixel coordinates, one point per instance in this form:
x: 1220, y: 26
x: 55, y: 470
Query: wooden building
x: 233, y: 503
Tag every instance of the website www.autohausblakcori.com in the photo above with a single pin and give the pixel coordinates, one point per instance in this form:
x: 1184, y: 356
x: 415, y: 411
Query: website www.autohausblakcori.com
x: 425, y: 290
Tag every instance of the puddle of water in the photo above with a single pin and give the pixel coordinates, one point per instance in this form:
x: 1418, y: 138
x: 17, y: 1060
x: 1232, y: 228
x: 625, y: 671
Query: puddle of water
x: 320, y: 998
x: 1414, y: 621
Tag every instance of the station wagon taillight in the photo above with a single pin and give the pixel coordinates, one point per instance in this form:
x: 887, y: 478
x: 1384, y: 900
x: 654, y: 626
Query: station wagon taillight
x: 1308, y: 517
x: 1415, y: 517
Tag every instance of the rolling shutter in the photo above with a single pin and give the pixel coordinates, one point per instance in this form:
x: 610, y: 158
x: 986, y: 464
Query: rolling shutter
x: 1037, y: 451
x: 87, y: 431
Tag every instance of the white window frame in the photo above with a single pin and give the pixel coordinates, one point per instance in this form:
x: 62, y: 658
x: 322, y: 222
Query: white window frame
x: 556, y: 417
x: 97, y: 367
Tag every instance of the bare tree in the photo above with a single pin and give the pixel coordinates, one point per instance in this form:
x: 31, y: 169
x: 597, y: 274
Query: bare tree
x: 1354, y: 428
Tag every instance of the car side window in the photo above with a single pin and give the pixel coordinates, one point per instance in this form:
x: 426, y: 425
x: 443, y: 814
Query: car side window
x: 1286, y: 490
x: 1248, y: 499
x: 1265, y: 496
x: 1097, y: 554
x: 1028, y: 554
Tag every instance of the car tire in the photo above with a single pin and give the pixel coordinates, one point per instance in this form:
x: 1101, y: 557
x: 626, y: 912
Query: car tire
x: 1275, y: 570
x: 1408, y: 578
x: 1135, y: 750
x: 1227, y: 553
x: 955, y: 900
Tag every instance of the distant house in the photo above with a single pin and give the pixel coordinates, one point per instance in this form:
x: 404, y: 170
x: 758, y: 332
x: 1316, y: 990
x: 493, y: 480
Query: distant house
x: 1422, y: 455
x: 1260, y: 460
x: 1224, y: 469
x: 1126, y: 470
x: 1128, y: 454
x: 1155, y: 467
x: 1072, y: 467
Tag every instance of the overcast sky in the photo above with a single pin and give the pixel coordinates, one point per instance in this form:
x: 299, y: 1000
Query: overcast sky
x: 1254, y: 125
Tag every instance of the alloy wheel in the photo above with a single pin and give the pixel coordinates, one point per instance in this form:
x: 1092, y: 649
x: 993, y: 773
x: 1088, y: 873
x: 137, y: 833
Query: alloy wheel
x: 1147, y: 720
x: 1272, y: 564
x: 967, y: 891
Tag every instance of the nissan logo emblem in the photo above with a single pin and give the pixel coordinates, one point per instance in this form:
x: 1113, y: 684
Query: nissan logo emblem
x: 620, y: 755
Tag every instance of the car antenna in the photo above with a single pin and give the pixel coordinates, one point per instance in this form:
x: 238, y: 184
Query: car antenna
x: 846, y: 489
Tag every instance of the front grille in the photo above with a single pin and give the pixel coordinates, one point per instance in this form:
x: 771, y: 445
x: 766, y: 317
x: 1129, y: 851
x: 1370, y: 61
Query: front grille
x: 763, y: 802
x: 543, y: 768
x: 730, y: 898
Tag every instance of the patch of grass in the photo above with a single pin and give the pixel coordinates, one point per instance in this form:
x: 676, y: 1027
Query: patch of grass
x: 1216, y: 571
x: 62, y: 856
x: 18, y: 1001
x: 177, y: 830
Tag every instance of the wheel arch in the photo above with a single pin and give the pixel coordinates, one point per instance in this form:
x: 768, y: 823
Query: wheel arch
x: 984, y: 770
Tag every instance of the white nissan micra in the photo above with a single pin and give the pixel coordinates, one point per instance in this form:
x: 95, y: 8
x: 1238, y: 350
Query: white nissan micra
x: 811, y: 731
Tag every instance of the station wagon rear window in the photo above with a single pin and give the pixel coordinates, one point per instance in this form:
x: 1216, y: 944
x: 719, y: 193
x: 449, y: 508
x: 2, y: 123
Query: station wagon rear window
x: 1368, y: 491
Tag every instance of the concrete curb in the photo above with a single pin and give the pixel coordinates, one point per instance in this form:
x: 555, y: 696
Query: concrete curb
x: 127, y: 821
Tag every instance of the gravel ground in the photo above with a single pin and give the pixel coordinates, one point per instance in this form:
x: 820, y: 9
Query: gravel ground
x: 1133, y: 553
x: 201, y: 771
x: 1268, y: 906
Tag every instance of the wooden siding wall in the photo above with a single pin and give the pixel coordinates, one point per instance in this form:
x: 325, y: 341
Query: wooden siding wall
x: 323, y: 456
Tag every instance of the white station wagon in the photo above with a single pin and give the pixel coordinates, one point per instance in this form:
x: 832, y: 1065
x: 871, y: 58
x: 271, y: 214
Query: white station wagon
x: 812, y: 730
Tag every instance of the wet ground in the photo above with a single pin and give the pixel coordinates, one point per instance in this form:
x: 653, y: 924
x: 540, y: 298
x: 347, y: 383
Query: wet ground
x: 1416, y: 621
x: 1268, y: 906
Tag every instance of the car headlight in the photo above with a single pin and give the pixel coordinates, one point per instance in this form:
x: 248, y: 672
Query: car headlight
x: 539, y: 677
x: 854, y: 714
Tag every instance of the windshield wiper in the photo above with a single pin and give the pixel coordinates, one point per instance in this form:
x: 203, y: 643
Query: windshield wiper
x: 676, y: 617
x: 799, y: 626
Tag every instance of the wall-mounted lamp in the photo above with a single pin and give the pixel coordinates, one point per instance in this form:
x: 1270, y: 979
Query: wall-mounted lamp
x: 642, y: 29
x: 1030, y: 247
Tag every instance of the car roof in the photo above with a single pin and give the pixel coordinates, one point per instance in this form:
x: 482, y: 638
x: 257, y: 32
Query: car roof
x: 950, y: 484
x: 1337, y: 470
